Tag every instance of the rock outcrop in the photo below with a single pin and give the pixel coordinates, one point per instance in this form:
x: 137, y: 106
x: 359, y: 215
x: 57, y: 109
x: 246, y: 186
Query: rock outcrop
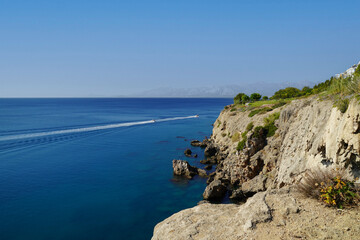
x: 274, y: 214
x: 183, y: 168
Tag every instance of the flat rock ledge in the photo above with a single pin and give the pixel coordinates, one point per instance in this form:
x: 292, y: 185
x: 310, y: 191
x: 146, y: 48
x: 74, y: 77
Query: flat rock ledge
x: 274, y: 214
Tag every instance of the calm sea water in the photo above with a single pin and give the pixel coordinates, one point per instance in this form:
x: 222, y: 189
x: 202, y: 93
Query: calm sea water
x: 76, y: 168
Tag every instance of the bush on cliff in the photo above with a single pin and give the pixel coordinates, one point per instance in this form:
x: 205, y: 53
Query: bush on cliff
x: 241, y: 144
x: 331, y: 187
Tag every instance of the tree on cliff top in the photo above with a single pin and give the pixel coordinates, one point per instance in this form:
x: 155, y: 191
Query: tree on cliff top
x: 238, y: 98
x: 255, y: 97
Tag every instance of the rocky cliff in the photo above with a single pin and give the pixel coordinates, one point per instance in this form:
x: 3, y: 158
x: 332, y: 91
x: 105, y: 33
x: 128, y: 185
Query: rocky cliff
x: 310, y: 135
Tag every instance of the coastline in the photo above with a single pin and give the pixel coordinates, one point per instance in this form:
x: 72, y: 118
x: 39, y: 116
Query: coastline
x: 266, y: 171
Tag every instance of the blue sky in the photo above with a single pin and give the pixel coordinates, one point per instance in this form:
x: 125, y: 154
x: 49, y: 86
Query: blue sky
x: 113, y: 48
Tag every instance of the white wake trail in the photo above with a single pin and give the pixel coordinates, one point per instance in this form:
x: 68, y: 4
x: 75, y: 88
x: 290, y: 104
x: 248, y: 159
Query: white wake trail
x: 87, y: 129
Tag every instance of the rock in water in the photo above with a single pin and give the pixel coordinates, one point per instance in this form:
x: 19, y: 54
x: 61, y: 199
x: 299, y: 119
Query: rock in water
x: 195, y: 143
x: 215, y: 191
x: 183, y: 168
x: 188, y: 152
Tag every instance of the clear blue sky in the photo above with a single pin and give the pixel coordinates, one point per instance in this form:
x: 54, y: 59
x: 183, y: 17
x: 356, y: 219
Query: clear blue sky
x: 110, y: 48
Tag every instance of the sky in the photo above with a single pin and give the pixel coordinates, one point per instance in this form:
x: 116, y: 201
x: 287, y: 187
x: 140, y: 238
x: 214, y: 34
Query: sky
x: 120, y: 48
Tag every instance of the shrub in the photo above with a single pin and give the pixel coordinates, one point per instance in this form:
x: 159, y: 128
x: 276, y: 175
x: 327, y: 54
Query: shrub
x: 241, y: 144
x: 288, y: 92
x: 331, y: 187
x: 238, y: 98
x: 245, y: 98
x: 338, y: 192
x: 256, y: 132
x: 265, y: 98
x: 270, y: 130
x: 259, y: 111
x: 271, y: 118
x: 342, y: 105
x: 279, y: 104
x: 233, y: 109
x: 249, y: 127
x: 270, y: 124
x: 255, y: 97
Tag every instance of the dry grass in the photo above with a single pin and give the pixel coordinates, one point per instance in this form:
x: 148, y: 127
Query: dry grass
x: 310, y: 185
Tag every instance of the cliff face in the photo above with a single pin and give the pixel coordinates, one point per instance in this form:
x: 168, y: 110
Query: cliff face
x: 311, y: 135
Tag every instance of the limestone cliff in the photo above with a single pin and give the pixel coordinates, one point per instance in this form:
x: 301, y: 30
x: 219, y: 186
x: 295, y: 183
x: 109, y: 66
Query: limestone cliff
x: 311, y: 134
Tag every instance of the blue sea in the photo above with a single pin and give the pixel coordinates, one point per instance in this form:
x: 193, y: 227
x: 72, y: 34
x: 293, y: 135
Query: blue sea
x: 97, y: 168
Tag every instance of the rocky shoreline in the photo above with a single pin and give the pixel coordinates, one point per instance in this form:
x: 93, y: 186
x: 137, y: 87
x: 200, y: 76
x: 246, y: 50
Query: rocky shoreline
x: 310, y: 134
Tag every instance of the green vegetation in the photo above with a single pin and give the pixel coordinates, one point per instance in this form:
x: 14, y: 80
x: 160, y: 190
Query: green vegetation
x: 338, y: 192
x: 260, y: 111
x: 242, y: 98
x: 241, y: 144
x: 342, y: 104
x: 238, y: 98
x: 249, y: 127
x: 269, y: 128
x: 255, y: 97
x: 245, y: 98
x: 271, y: 118
x: 340, y: 90
x: 330, y: 187
x: 270, y: 124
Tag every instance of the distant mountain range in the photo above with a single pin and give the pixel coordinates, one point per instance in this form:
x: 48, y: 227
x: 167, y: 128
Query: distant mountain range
x: 225, y: 91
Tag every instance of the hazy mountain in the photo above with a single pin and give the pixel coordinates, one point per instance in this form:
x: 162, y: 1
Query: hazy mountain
x: 219, y: 91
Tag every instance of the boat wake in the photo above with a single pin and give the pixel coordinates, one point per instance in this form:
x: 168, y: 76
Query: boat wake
x: 87, y: 129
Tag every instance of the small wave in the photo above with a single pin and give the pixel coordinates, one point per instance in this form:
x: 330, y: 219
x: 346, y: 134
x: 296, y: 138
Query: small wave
x: 86, y: 129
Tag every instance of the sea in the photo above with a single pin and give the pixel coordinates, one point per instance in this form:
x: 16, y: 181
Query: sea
x: 97, y: 168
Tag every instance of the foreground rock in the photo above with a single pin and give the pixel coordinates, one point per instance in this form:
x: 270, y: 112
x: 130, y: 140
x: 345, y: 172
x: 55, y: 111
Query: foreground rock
x: 274, y: 214
x: 183, y: 168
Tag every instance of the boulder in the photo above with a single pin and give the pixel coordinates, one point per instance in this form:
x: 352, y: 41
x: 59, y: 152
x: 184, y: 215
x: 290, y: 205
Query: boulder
x: 183, y: 168
x: 215, y: 191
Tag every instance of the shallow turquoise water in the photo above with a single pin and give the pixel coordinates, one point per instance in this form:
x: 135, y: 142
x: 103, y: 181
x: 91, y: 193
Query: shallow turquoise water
x: 113, y: 183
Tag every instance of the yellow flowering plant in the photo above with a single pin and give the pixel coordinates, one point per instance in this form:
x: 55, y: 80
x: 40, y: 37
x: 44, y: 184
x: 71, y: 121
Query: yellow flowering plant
x: 338, y: 192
